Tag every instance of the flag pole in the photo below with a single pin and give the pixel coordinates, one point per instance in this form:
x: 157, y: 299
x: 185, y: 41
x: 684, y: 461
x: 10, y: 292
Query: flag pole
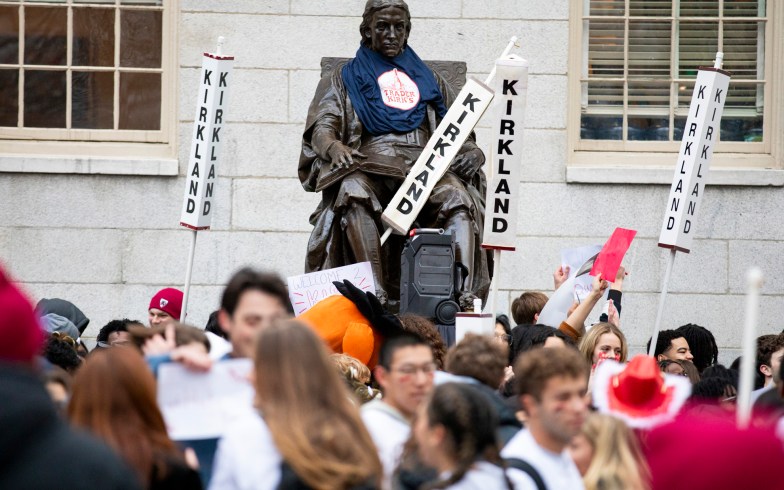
x: 754, y: 280
x: 662, y: 297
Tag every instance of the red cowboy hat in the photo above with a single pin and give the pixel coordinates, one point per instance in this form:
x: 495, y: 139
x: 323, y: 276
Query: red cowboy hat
x: 638, y: 392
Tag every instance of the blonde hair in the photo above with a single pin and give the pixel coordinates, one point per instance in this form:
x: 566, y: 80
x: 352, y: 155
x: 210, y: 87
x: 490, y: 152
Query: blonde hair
x: 617, y: 462
x: 307, y: 408
x: 591, y: 340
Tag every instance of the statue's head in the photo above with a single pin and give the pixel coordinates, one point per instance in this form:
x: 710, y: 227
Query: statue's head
x: 385, y: 26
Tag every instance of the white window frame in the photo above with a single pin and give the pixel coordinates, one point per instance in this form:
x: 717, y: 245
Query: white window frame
x: 641, y: 162
x: 100, y: 151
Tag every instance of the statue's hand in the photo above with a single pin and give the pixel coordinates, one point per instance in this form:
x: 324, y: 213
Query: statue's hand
x: 467, y: 164
x: 342, y: 156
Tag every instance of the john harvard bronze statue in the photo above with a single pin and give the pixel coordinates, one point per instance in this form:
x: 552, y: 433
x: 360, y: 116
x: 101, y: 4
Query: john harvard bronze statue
x: 366, y: 126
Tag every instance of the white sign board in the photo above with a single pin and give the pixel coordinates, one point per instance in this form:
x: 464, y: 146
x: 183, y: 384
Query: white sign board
x: 202, y: 405
x: 437, y: 155
x: 308, y: 289
x: 699, y: 138
x: 207, y: 141
x: 503, y: 190
x: 574, y: 258
x: 476, y: 323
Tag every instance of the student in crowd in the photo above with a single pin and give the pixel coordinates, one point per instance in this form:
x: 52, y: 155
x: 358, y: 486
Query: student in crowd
x: 405, y: 373
x: 114, y: 398
x: 770, y: 351
x: 60, y: 350
x: 551, y: 384
x: 482, y: 361
x: 307, y: 432
x: 503, y: 330
x: 604, y: 341
x: 165, y: 307
x: 608, y: 455
x: 671, y: 345
x: 251, y: 301
x: 69, y: 311
x: 526, y: 307
x: 455, y: 433
x: 680, y: 368
x: 702, y: 344
x: 425, y: 329
x: 115, y: 333
x: 37, y: 448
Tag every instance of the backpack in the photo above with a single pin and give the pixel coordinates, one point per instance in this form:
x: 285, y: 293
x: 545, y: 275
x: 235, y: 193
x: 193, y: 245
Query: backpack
x: 529, y: 470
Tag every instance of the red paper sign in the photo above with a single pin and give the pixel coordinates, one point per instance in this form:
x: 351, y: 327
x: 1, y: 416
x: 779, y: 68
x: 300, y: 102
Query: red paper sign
x: 609, y: 259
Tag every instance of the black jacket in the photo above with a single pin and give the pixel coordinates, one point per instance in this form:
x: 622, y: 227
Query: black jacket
x: 39, y: 451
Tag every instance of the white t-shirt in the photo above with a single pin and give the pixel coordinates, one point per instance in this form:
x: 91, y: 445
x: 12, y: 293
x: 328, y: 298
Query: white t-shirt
x: 482, y: 476
x: 389, y: 431
x: 557, y: 470
x: 247, y: 458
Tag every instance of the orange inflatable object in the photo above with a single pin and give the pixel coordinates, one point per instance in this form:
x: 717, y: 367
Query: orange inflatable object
x: 338, y: 321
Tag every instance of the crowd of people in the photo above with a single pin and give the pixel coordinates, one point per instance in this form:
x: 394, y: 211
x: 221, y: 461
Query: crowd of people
x: 529, y: 406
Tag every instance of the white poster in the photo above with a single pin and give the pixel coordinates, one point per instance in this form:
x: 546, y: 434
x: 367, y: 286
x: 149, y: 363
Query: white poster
x: 699, y: 138
x: 574, y: 258
x: 207, y: 141
x: 437, y: 155
x: 503, y: 190
x: 308, y: 289
x: 199, y: 405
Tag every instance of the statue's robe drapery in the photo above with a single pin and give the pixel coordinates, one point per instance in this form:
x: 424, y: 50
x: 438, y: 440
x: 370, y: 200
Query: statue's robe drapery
x: 327, y: 247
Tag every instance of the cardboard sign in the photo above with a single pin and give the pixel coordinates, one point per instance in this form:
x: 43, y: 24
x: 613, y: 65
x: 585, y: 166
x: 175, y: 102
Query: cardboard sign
x: 476, y: 323
x: 207, y: 141
x: 699, y: 139
x: 437, y: 155
x: 574, y: 258
x: 511, y: 87
x: 202, y: 405
x: 308, y: 289
x: 611, y: 256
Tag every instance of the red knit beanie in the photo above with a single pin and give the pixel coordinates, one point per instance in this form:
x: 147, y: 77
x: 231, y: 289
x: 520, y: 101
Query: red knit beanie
x: 168, y: 300
x: 21, y: 336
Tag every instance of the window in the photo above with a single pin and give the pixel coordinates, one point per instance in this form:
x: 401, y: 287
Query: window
x: 86, y: 71
x: 637, y: 61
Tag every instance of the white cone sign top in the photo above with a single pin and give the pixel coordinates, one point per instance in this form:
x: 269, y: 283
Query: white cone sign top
x: 437, y: 155
x: 699, y: 138
x: 508, y: 112
x: 215, y: 80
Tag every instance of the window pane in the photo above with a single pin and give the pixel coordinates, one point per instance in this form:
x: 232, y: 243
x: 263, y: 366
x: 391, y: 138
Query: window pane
x: 93, y: 100
x: 648, y: 129
x: 740, y: 50
x: 607, y: 7
x: 605, y: 48
x: 603, y: 97
x: 601, y: 127
x: 699, y: 8
x: 142, y: 2
x: 140, y: 101
x: 699, y: 42
x: 9, y: 97
x: 93, y: 37
x: 748, y: 129
x: 9, y: 35
x: 649, y: 49
x: 744, y: 8
x: 650, y: 97
x: 650, y: 7
x: 140, y: 38
x: 44, y: 99
x: 45, y: 35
